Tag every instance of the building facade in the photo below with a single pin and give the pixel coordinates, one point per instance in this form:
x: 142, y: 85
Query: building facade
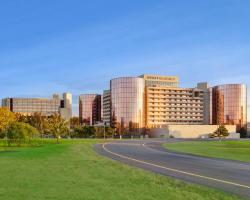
x: 229, y: 106
x: 45, y: 106
x: 128, y: 105
x: 106, y: 107
x: 66, y: 109
x: 154, y: 101
x: 190, y: 131
x: 165, y: 105
x: 248, y: 129
x: 160, y: 81
x: 90, y: 109
x: 136, y: 105
x: 207, y: 102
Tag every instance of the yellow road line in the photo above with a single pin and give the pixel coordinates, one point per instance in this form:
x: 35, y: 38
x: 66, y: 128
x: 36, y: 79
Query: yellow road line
x: 174, y: 170
x: 169, y: 153
x: 126, y: 144
x: 241, y: 166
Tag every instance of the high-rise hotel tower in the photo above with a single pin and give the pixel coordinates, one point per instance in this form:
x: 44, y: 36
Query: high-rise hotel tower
x: 154, y: 101
x: 134, y: 104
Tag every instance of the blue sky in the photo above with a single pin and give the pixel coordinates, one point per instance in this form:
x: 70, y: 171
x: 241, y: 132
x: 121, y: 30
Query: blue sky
x: 78, y: 46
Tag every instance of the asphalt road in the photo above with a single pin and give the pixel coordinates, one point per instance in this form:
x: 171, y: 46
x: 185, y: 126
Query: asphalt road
x: 227, y: 175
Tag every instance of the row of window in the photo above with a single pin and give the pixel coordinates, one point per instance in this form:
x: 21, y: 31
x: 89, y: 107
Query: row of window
x: 176, y: 113
x: 170, y: 91
x: 175, y: 109
x: 151, y: 104
x: 165, y: 121
x: 176, y: 116
x: 173, y: 101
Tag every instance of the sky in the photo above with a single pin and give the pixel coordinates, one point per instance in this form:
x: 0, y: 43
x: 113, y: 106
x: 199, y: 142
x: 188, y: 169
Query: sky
x: 77, y: 46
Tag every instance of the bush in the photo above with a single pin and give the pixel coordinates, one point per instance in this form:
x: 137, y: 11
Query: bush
x: 221, y: 132
x: 99, y: 132
x: 84, y: 132
x: 19, y: 132
x: 243, y: 132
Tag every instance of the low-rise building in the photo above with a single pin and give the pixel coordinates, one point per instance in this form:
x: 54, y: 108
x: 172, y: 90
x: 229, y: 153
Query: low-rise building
x: 45, y: 106
x: 190, y: 131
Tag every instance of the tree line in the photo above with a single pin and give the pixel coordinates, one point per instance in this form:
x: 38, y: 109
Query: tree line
x: 17, y: 128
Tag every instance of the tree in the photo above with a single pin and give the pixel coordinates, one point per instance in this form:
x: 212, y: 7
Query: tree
x: 78, y: 132
x: 221, y: 132
x: 84, y: 132
x: 58, y: 126
x: 22, y: 118
x: 74, y: 122
x: 89, y: 131
x: 6, y: 119
x: 109, y: 131
x: 99, y: 132
x: 39, y: 121
x: 243, y: 132
x: 36, y: 120
x: 19, y: 131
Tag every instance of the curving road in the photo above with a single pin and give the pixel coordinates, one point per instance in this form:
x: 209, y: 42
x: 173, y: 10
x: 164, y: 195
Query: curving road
x: 231, y: 176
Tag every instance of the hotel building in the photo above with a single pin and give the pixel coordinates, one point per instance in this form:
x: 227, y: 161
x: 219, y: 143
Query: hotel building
x: 153, y: 101
x: 45, y: 106
x: 135, y: 104
x: 90, y: 109
x: 168, y: 105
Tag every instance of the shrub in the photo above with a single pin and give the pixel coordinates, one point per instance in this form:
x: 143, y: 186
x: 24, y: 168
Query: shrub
x: 84, y: 132
x: 220, y: 132
x: 21, y: 132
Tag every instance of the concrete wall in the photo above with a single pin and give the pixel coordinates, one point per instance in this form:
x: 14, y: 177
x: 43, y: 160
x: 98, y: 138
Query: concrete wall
x: 66, y: 113
x: 189, y: 131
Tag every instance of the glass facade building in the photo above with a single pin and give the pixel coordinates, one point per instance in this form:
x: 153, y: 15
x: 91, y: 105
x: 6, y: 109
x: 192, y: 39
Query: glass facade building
x: 229, y: 105
x: 90, y: 109
x: 127, y: 105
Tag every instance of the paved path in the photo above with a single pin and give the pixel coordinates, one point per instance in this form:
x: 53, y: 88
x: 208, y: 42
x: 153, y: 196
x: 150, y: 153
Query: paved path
x: 231, y: 176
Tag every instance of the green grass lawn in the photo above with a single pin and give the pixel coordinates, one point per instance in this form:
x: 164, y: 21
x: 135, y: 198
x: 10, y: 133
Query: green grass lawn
x: 72, y: 170
x: 235, y: 150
